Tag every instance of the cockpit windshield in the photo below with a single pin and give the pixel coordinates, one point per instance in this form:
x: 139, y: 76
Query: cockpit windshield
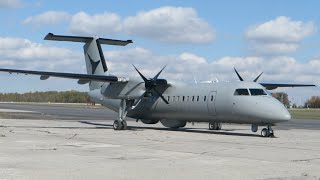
x: 257, y: 92
x: 253, y: 92
x: 241, y: 92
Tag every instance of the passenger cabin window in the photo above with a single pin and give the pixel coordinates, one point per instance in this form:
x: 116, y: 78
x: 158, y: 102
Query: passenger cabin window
x: 197, y: 98
x: 205, y: 97
x: 168, y: 98
x: 211, y: 98
x: 257, y: 92
x: 192, y: 98
x: 182, y: 98
x: 241, y: 92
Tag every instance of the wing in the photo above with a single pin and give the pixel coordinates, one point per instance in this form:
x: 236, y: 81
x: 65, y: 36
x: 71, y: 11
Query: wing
x: 271, y: 86
x: 83, y: 78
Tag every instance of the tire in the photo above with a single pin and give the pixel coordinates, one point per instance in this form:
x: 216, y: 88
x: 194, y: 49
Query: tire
x: 219, y: 126
x: 117, y: 125
x: 213, y: 125
x: 264, y: 132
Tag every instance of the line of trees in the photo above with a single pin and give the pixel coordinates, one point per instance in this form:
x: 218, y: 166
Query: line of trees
x: 82, y: 97
x: 313, y: 102
x: 49, y: 96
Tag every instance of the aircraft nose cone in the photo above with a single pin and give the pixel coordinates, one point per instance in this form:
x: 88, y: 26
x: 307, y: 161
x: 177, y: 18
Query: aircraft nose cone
x: 285, y: 116
x: 281, y: 115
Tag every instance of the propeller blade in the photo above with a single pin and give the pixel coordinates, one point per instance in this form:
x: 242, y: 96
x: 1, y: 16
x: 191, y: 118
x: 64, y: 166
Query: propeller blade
x: 161, y: 96
x: 142, y: 76
x: 238, y: 74
x: 156, y: 77
x: 256, y: 79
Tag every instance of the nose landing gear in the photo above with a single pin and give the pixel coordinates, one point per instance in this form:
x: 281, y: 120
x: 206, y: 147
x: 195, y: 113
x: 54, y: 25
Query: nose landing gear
x: 215, y: 125
x: 267, y: 132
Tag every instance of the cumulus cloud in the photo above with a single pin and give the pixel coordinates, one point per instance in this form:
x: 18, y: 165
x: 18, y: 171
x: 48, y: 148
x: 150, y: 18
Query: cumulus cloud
x: 10, y: 3
x: 48, y: 18
x: 165, y: 24
x: 187, y: 66
x: 170, y: 24
x: 98, y: 24
x: 25, y: 54
x: 279, y: 36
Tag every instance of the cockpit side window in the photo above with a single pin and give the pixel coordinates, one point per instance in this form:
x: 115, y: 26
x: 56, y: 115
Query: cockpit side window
x: 241, y: 92
x: 257, y: 92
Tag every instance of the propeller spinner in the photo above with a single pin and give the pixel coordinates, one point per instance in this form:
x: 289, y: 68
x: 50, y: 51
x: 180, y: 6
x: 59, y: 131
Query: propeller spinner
x: 151, y: 84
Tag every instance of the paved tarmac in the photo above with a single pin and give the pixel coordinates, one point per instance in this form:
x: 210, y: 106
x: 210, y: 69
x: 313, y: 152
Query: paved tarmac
x: 76, y: 142
x: 82, y: 112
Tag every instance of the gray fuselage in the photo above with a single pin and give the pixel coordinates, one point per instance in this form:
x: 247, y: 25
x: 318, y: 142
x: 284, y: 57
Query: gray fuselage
x: 201, y: 102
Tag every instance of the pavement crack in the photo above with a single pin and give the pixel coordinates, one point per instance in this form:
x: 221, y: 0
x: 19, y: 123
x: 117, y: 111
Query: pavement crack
x: 72, y: 136
x: 304, y: 160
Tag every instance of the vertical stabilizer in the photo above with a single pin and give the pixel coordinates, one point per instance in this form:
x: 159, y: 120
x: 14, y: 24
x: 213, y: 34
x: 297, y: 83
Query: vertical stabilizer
x: 94, y: 58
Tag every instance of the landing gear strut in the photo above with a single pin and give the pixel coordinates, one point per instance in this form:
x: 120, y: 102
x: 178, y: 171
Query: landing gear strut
x: 215, y: 125
x: 121, y: 124
x: 267, y: 132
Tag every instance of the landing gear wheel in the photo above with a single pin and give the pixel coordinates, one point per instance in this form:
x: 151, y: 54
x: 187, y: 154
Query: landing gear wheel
x: 219, y: 126
x: 117, y: 125
x: 124, y: 125
x: 264, y: 132
x: 212, y: 125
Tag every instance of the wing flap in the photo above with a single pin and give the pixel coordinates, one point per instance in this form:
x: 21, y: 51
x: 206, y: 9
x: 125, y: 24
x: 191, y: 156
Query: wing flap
x: 83, y: 77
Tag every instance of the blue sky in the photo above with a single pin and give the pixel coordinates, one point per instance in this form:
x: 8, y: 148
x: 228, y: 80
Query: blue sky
x: 198, y: 39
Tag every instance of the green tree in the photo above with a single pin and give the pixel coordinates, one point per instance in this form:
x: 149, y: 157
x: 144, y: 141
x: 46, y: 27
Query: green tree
x: 313, y: 102
x: 282, y: 97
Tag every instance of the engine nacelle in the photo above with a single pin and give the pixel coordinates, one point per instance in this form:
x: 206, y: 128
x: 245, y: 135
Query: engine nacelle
x: 173, y: 123
x: 148, y: 121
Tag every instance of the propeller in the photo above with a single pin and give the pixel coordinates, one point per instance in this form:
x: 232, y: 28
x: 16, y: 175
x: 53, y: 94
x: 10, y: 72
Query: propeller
x: 151, y: 84
x: 241, y: 79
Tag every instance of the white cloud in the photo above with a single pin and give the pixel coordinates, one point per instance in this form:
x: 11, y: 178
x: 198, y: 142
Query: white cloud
x: 98, y: 24
x: 48, y: 18
x: 165, y: 24
x: 279, y: 36
x: 25, y: 54
x: 170, y: 24
x: 10, y: 3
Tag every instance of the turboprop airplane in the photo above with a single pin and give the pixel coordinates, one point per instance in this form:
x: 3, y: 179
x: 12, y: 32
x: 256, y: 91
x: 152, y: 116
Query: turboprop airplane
x: 154, y: 99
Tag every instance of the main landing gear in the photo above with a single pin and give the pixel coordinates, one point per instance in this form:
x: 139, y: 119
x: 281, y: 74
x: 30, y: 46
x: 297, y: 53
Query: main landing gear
x: 267, y: 132
x: 215, y: 126
x: 121, y: 124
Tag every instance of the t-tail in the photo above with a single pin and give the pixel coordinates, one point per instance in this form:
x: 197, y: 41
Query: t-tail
x: 94, y: 58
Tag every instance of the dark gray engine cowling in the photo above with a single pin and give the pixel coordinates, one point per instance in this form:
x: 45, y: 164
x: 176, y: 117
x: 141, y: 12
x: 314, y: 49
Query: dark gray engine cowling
x: 173, y: 123
x: 148, y: 121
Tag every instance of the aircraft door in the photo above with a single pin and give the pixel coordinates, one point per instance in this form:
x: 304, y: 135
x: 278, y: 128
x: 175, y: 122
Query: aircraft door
x: 211, y: 103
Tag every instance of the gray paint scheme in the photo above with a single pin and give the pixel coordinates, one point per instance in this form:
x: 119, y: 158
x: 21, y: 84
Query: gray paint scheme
x: 225, y: 107
x: 217, y: 102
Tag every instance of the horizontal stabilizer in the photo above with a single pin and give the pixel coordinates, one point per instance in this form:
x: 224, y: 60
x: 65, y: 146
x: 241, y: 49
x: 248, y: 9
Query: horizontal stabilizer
x: 83, y: 77
x: 83, y: 39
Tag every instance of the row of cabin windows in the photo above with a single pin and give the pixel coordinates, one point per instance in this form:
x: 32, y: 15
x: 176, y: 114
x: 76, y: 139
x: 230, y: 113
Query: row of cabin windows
x: 187, y: 98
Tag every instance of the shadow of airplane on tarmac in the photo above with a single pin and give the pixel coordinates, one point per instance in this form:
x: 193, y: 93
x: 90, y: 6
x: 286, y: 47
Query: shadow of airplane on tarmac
x: 189, y: 130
